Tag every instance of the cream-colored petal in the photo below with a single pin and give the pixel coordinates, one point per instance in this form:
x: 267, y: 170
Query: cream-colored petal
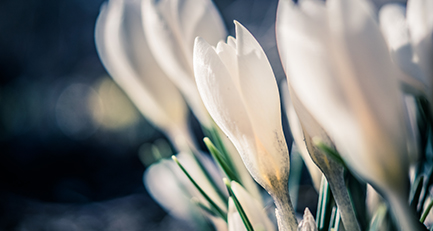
x: 208, y: 25
x: 124, y: 52
x: 420, y: 19
x: 253, y: 209
x: 228, y: 56
x: 222, y: 100
x: 167, y: 45
x: 395, y: 30
x: 420, y: 22
x: 234, y: 220
x: 259, y: 92
x: 162, y: 183
x: 370, y: 84
x: 304, y: 47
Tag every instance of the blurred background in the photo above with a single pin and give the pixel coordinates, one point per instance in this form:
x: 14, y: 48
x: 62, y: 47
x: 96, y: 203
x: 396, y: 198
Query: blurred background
x: 70, y: 140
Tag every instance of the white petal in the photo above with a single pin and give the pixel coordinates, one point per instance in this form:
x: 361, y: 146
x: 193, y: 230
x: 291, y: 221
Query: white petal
x: 304, y: 45
x: 201, y: 18
x: 369, y: 79
x: 234, y: 220
x: 260, y: 96
x: 228, y: 56
x: 123, y: 50
x: 222, y: 100
x: 395, y: 29
x: 163, y: 185
x: 168, y: 46
x: 420, y: 21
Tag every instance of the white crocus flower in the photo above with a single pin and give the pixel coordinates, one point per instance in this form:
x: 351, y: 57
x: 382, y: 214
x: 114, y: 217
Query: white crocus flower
x: 171, y: 27
x: 252, y: 208
x: 337, y: 63
x: 124, y: 51
x: 238, y: 87
x: 170, y: 187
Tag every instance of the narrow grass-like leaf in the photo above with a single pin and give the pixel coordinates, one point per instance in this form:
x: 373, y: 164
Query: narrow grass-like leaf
x: 428, y: 183
x: 199, y: 160
x: 219, y: 144
x: 238, y: 205
x: 216, y: 154
x: 337, y: 221
x: 218, y: 210
x: 415, y: 192
x: 324, y: 206
x: 203, y: 207
x: 426, y: 212
x: 378, y: 219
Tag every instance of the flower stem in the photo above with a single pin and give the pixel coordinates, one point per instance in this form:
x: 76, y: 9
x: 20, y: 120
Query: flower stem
x: 284, y: 212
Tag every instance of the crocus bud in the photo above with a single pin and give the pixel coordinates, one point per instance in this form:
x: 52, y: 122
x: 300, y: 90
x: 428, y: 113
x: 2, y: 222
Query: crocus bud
x: 124, y: 51
x: 171, y: 27
x: 238, y: 87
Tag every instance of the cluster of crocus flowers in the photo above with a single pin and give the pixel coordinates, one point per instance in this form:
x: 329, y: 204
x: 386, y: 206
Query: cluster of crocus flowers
x: 353, y: 105
x: 341, y: 74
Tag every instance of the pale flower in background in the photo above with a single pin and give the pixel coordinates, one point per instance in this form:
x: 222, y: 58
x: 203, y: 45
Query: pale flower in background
x: 338, y: 65
x: 238, y: 87
x: 170, y: 187
x: 171, y: 27
x: 252, y: 208
x: 123, y: 49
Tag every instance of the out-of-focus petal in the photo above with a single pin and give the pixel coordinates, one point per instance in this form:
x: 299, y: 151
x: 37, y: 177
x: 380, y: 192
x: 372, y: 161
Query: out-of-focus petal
x: 396, y: 32
x: 163, y: 185
x: 370, y: 84
x: 255, y: 213
x: 123, y: 49
x: 171, y: 27
x: 234, y: 220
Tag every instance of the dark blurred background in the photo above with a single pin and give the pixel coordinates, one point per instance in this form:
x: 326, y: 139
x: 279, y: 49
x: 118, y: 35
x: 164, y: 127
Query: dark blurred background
x: 69, y: 138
